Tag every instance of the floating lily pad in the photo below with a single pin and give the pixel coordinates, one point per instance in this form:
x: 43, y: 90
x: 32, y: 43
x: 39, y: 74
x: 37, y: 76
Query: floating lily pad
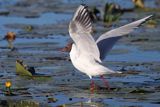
x: 21, y: 70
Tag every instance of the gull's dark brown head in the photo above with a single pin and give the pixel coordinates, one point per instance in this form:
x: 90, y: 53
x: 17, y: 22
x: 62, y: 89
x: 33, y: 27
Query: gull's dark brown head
x: 67, y: 48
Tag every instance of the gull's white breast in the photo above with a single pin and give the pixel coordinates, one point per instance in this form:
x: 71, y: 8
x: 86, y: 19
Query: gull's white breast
x: 86, y: 63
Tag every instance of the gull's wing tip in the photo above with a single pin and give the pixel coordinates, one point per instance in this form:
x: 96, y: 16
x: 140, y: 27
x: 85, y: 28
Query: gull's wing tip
x: 83, y: 6
x: 81, y: 20
x: 145, y: 20
x: 79, y: 10
x: 148, y: 17
x: 151, y: 15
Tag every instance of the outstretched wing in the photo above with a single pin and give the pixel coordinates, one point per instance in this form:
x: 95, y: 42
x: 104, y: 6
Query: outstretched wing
x: 106, y: 41
x: 80, y: 29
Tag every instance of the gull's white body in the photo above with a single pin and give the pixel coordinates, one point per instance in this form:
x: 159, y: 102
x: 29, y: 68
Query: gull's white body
x: 86, y: 53
x: 86, y: 64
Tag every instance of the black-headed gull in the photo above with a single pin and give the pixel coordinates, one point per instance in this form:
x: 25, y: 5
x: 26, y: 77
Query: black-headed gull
x: 87, y: 54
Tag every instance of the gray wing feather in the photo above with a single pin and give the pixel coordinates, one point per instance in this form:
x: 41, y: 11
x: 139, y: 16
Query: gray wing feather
x: 106, y: 41
x: 80, y: 29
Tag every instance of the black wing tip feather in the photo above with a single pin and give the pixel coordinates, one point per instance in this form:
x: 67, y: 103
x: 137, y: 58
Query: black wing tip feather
x: 147, y: 18
x: 82, y: 16
x: 83, y: 9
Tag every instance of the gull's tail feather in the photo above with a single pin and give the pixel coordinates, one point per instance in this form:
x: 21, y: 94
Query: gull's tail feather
x: 109, y: 71
x: 99, y: 69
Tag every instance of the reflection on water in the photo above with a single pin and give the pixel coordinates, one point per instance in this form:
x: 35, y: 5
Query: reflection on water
x: 4, y: 3
x: 134, y: 55
x: 122, y: 3
x: 121, y: 103
x: 44, y: 19
x: 52, y: 18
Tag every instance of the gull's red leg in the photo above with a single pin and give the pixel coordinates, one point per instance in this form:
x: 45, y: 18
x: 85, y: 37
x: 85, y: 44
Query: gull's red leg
x: 105, y: 82
x: 92, y: 87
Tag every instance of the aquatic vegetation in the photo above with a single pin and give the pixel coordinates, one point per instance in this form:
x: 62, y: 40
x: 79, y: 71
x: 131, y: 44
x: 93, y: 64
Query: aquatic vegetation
x: 112, y: 13
x: 8, y: 85
x: 138, y: 3
x: 29, y: 28
x: 52, y: 100
x: 95, y: 14
x: 151, y: 23
x: 30, y: 73
x: 21, y: 68
x: 10, y: 37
